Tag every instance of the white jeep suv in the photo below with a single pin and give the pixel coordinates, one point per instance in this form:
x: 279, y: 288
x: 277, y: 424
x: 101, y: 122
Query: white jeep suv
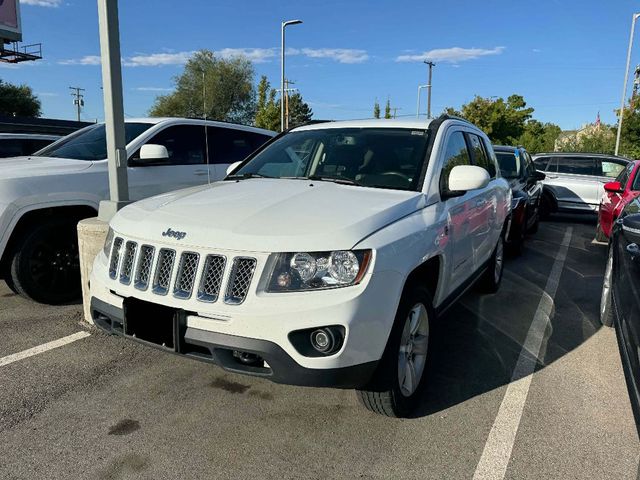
x: 44, y: 195
x: 322, y: 260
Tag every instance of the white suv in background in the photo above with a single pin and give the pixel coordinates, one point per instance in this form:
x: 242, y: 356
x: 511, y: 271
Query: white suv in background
x: 322, y: 260
x: 43, y: 196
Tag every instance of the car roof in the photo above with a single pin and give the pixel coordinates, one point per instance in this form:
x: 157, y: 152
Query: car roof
x: 506, y: 148
x: 581, y: 154
x: 199, y: 121
x: 33, y: 136
x: 410, y: 123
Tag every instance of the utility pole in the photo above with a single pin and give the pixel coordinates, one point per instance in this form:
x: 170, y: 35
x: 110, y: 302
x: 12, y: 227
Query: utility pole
x: 395, y: 110
x: 626, y: 79
x: 283, y: 25
x: 113, y: 109
x: 431, y: 65
x: 636, y: 83
x: 287, y: 90
x: 78, y: 99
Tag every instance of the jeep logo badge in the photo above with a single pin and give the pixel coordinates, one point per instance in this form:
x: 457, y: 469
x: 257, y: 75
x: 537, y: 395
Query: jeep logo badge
x: 174, y: 234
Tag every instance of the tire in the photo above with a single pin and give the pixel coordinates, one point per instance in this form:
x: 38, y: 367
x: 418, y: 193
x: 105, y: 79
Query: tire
x: 606, y: 305
x: 491, y: 278
x: 600, y: 236
x: 45, y: 267
x: 391, y: 391
x: 516, y: 246
x: 546, y: 207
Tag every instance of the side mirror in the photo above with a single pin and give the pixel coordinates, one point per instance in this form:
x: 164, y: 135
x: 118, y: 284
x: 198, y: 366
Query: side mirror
x: 152, y: 152
x: 613, y: 187
x: 539, y: 176
x: 232, y: 167
x: 463, y: 178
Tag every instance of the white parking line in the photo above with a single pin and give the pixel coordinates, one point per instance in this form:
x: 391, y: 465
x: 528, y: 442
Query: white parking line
x: 42, y: 348
x: 497, y: 450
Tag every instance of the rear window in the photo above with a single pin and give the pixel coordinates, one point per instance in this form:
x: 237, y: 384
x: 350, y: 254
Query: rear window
x: 541, y: 163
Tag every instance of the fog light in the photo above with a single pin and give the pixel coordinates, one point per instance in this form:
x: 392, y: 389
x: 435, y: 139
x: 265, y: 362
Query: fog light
x: 323, y: 340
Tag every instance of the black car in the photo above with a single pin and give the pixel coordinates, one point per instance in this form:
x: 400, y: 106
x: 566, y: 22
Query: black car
x: 517, y: 167
x: 620, y: 303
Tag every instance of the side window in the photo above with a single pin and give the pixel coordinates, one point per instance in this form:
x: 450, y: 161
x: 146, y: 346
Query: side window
x: 577, y: 165
x: 455, y: 154
x: 611, y: 169
x: 636, y: 180
x: 185, y: 145
x: 541, y: 163
x: 228, y: 145
x: 529, y: 166
x: 480, y: 157
x: 38, y: 145
x: 11, y: 148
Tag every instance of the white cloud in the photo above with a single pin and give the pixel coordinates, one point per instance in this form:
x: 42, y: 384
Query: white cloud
x: 153, y: 89
x: 86, y: 60
x: 42, y: 3
x: 157, y: 59
x: 451, y: 55
x: 47, y: 94
x: 341, y: 55
x: 257, y: 55
x: 536, y: 50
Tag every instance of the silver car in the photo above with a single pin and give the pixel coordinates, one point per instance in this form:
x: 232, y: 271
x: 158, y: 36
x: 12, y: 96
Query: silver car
x: 574, y: 181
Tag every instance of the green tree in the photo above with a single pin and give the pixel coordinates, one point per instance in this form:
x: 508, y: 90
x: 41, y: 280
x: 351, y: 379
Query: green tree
x: 267, y: 108
x: 630, y: 135
x: 539, y: 137
x: 299, y: 111
x: 503, y: 121
x: 230, y: 94
x: 18, y: 101
x: 387, y: 109
x: 376, y: 109
x: 592, y: 139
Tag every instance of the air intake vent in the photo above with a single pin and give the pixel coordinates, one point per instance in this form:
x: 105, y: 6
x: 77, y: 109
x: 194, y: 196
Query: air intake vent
x: 186, y: 277
x: 128, y: 257
x: 115, y: 258
x: 143, y: 272
x: 240, y: 280
x: 164, y: 268
x: 211, y: 278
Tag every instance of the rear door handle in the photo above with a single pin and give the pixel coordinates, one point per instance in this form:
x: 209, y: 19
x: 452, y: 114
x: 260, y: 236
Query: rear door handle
x: 633, y: 249
x: 201, y: 172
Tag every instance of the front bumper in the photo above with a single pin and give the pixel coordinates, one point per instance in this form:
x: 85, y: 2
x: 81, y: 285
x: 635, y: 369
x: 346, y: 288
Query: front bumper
x: 219, y: 348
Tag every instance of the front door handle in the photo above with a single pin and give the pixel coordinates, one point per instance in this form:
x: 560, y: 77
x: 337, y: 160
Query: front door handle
x: 551, y: 176
x: 201, y: 172
x: 633, y: 249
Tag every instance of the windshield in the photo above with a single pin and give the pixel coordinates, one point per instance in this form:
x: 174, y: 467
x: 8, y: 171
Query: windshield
x: 369, y: 157
x: 89, y: 143
x: 509, y: 164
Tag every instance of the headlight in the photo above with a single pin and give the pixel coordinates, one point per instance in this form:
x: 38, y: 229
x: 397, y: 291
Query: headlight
x: 317, y: 270
x: 107, y: 243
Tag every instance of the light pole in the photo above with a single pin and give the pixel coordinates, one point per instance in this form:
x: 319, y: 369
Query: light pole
x: 626, y: 79
x: 420, y: 87
x: 431, y: 65
x: 282, y: 89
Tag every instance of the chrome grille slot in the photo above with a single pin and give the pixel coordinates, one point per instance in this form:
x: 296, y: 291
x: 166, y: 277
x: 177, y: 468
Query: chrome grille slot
x: 164, y: 268
x: 115, y: 258
x: 240, y: 280
x: 128, y: 258
x: 143, y: 271
x: 212, y: 275
x: 186, y: 277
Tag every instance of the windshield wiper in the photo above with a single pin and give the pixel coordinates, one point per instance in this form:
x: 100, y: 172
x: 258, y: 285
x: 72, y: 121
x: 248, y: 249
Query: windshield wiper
x: 341, y: 180
x: 247, y: 175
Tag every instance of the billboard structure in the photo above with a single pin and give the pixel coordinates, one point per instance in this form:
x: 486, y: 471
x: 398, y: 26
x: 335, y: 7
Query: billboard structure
x: 10, y: 28
x: 11, y: 34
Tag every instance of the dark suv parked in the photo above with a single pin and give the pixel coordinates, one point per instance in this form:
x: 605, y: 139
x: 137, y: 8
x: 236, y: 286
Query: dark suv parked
x: 575, y: 181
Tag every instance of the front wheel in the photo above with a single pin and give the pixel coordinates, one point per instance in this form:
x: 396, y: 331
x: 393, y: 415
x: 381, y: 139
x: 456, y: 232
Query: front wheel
x: 45, y: 266
x: 491, y: 278
x: 606, y: 307
x: 395, y: 389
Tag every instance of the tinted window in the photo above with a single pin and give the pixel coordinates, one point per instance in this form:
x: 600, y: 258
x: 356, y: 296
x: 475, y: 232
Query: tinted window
x: 370, y: 157
x: 38, y: 144
x: 185, y: 145
x: 90, y: 143
x: 577, y: 165
x: 636, y: 180
x: 228, y: 145
x: 11, y: 147
x: 529, y: 167
x: 541, y: 163
x: 455, y: 154
x: 510, y: 166
x: 480, y: 157
x: 610, y: 169
x: 623, y: 177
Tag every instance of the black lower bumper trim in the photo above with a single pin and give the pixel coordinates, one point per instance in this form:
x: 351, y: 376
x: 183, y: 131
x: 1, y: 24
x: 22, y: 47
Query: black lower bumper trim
x: 218, y: 348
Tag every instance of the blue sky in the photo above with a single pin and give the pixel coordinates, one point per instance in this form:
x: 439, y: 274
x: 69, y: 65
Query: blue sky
x: 566, y: 57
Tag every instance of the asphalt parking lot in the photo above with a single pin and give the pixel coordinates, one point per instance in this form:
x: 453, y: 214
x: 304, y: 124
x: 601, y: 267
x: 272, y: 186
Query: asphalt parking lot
x: 102, y: 407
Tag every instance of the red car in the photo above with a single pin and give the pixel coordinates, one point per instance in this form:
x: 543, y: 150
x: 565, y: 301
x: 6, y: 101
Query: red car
x: 617, y: 194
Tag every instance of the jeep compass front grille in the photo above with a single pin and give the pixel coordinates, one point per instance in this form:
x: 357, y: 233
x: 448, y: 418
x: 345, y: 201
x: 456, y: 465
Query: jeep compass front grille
x: 140, y: 266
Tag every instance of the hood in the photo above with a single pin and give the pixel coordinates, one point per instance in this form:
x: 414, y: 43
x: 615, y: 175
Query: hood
x: 267, y: 215
x: 19, y: 167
